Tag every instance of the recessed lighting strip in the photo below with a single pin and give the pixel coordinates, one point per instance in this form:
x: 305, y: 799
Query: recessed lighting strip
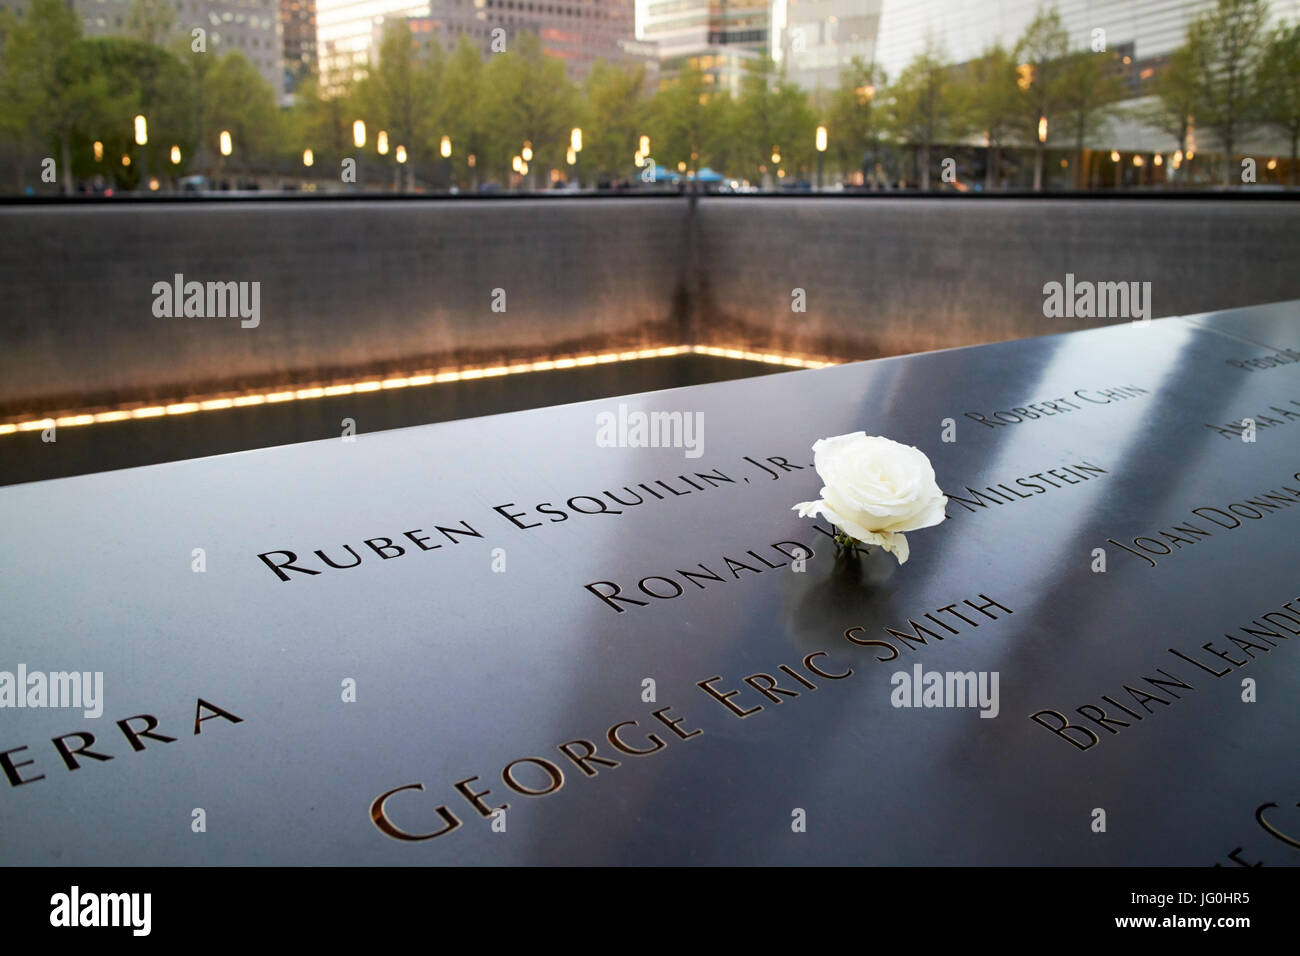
x: 416, y: 380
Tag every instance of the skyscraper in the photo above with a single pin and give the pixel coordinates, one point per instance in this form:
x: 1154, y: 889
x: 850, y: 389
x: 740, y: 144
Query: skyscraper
x: 298, y: 26
x: 717, y: 36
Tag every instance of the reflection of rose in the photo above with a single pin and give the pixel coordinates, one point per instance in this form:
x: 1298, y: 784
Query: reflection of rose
x: 875, y: 490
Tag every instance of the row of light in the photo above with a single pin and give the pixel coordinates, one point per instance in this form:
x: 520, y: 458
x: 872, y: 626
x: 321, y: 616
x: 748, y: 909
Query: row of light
x: 141, y: 126
x: 409, y: 381
x: 519, y: 162
x: 381, y: 145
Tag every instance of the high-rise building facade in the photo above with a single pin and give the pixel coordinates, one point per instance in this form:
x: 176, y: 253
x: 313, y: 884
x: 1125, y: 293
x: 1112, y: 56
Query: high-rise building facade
x: 579, y: 32
x: 298, y: 27
x: 717, y: 36
x: 1153, y: 27
x: 1140, y: 32
x: 250, y: 27
x: 345, y: 31
x: 815, y: 40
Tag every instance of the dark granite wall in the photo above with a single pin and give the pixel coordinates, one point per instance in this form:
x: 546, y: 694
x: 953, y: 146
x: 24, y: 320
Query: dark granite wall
x: 350, y: 288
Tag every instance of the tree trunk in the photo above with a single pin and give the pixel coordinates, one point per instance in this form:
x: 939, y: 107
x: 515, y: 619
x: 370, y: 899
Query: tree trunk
x: 1227, y: 161
x: 923, y: 158
x: 65, y: 162
x: 1039, y: 151
x: 990, y: 162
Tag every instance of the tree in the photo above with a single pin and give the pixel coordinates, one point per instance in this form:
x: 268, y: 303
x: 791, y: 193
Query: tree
x: 721, y: 141
x: 320, y: 123
x: 399, y: 94
x: 139, y: 79
x: 774, y: 119
x: 851, y: 120
x: 1040, y: 57
x: 1176, y: 98
x: 616, y: 118
x: 55, y: 93
x: 1227, y: 43
x: 462, y: 107
x: 679, y: 119
x: 922, y: 107
x: 529, y: 99
x: 1089, y: 88
x: 240, y: 102
x: 993, y: 106
x: 1280, y: 77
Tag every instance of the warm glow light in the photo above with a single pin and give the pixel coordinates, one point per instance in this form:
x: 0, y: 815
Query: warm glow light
x: 821, y: 139
x: 308, y: 157
x: 1191, y: 154
x: 780, y: 174
x: 1138, y: 161
x: 415, y: 380
x: 1114, y: 155
x: 776, y: 155
x: 400, y: 154
x: 1272, y: 163
x: 359, y: 133
x: 176, y: 155
x: 1024, y: 75
x: 523, y: 169
x: 516, y: 164
x: 644, y: 145
x: 153, y: 184
x: 1042, y: 129
x: 226, y: 146
x: 99, y: 150
x: 681, y: 167
x: 1178, y: 158
x: 126, y: 160
x: 570, y: 156
x: 527, y: 153
x: 1157, y: 160
x: 141, y: 131
x: 638, y: 159
x: 575, y: 139
x: 472, y: 160
x: 444, y: 147
x: 381, y: 142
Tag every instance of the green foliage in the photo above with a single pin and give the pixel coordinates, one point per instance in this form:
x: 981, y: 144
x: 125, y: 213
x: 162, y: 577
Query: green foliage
x: 616, y: 117
x: 1226, y: 45
x: 774, y: 113
x: 528, y: 98
x: 400, y: 93
x: 922, y: 108
x: 852, y: 123
x: 59, y: 92
x: 1280, y: 82
x: 51, y: 94
x: 238, y: 100
x: 1089, y: 88
x: 679, y: 119
x: 1175, y: 97
x: 462, y: 107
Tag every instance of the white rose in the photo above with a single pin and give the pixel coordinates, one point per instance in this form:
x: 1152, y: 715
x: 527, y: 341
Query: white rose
x: 875, y: 490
